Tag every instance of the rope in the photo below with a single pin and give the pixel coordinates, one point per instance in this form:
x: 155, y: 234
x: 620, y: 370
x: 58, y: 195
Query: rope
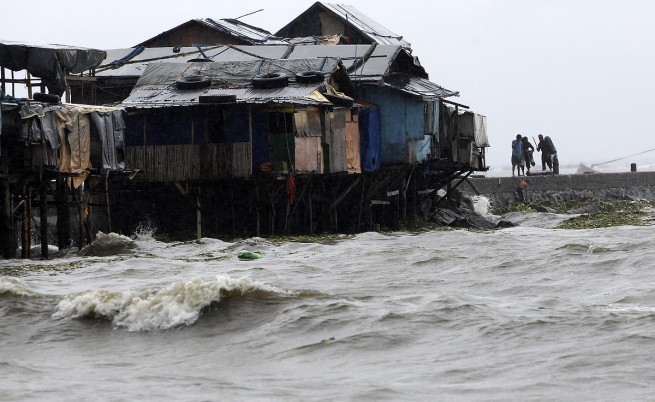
x: 625, y: 157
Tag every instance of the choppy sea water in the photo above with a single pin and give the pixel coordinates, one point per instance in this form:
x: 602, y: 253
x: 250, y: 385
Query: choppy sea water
x: 522, y: 313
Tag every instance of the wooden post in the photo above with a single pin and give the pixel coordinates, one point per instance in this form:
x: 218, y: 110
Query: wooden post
x: 63, y: 214
x: 311, y: 211
x: 257, y: 208
x: 272, y: 213
x: 252, y: 162
x: 80, y: 215
x: 402, y: 200
x: 107, y: 202
x: 26, y: 227
x: 232, y: 211
x: 198, y: 217
x: 6, y: 221
x: 43, y: 205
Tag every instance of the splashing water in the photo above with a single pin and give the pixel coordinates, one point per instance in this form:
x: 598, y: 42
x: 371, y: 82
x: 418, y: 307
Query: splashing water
x: 180, y: 303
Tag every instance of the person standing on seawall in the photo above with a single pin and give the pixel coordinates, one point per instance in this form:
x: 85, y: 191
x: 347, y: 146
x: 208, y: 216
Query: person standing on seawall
x: 528, y: 149
x: 548, y: 154
x: 517, y: 154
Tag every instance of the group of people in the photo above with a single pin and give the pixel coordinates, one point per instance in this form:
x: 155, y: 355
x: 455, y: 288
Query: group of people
x: 522, y: 155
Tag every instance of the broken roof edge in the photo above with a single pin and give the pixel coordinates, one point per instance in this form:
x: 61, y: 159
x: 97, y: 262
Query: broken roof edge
x: 50, y: 62
x: 354, y: 18
x: 414, y: 86
x: 225, y: 29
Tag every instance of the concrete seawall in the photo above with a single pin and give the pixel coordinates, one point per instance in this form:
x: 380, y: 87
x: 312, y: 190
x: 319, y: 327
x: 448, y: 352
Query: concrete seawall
x: 501, y: 191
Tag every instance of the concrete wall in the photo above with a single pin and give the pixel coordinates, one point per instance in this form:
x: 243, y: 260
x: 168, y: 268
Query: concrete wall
x: 502, y: 190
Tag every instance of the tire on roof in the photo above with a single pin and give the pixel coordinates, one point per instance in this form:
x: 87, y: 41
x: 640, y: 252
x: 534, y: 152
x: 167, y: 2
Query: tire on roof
x: 267, y: 81
x: 310, y: 77
x: 193, y: 82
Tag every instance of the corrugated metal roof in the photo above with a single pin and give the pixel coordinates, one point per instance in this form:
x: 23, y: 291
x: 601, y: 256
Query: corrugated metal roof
x: 378, y: 64
x: 228, y: 26
x: 415, y: 86
x: 119, y: 64
x: 371, y: 29
x: 243, y: 31
x: 156, y: 87
x: 165, y: 96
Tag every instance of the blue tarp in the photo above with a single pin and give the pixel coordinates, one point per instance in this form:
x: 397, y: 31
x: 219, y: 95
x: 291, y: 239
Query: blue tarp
x: 370, y: 139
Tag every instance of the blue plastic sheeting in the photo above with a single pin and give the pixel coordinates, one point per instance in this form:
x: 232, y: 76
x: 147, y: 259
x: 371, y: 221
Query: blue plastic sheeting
x: 370, y: 139
x: 403, y: 126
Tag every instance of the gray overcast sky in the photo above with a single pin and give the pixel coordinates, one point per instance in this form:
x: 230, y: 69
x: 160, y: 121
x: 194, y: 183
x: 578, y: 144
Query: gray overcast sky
x: 580, y: 71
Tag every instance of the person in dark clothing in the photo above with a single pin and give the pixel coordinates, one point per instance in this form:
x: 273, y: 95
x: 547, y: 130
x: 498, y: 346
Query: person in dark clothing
x: 548, y: 154
x: 528, y: 150
x: 522, y: 189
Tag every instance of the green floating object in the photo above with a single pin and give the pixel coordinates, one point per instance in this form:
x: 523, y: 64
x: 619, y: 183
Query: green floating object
x: 249, y: 255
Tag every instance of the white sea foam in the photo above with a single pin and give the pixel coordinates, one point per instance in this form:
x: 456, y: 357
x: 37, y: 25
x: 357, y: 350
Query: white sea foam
x: 180, y: 303
x: 14, y: 286
x: 144, y: 231
x: 108, y: 244
x: 482, y: 206
x: 629, y: 308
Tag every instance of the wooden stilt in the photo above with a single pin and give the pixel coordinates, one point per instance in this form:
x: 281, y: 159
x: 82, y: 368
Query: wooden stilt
x: 107, y: 203
x: 232, y: 211
x: 402, y: 200
x: 311, y: 211
x: 287, y: 217
x: 361, y: 204
x: 63, y: 215
x: 198, y: 217
x: 25, y: 233
x: 43, y: 206
x: 79, y: 195
x: 6, y: 222
x: 258, y: 230
x: 272, y: 212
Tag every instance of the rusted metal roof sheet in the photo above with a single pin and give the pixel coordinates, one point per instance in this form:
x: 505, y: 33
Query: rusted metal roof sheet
x: 157, y: 85
x: 227, y: 26
x: 241, y: 30
x: 415, y: 86
x: 371, y: 29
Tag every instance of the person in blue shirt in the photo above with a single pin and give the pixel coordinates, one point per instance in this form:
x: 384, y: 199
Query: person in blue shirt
x: 517, y: 155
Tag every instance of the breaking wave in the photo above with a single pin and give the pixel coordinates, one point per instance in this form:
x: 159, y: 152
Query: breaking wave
x: 108, y: 244
x: 180, y: 303
x: 13, y: 287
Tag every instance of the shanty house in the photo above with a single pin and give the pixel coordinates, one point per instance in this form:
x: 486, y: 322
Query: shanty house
x: 218, y: 120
